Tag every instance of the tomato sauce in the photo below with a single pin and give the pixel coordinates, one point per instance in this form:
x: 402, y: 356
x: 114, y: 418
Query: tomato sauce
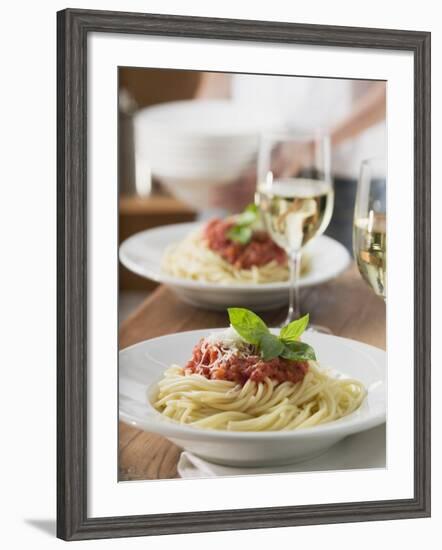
x: 209, y: 361
x: 259, y: 251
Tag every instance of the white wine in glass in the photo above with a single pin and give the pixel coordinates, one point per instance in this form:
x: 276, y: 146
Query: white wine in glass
x: 370, y: 226
x: 295, y: 196
x: 295, y: 210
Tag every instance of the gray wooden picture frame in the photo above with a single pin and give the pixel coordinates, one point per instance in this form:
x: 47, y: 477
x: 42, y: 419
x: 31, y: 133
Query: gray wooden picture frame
x: 73, y: 27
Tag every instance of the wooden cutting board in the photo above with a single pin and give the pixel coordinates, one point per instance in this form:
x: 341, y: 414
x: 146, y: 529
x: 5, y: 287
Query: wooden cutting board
x: 346, y: 305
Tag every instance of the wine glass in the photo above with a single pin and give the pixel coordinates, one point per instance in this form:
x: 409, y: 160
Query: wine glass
x: 295, y: 196
x: 370, y: 225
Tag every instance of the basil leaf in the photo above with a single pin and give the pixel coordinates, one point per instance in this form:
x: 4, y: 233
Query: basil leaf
x: 248, y: 216
x: 245, y: 218
x: 240, y: 234
x: 270, y: 346
x: 242, y: 231
x: 254, y: 331
x: 247, y: 324
x: 293, y: 330
x: 298, y: 351
x: 252, y: 207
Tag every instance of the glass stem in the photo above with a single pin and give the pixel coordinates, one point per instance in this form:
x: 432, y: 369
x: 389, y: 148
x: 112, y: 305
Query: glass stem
x: 295, y: 268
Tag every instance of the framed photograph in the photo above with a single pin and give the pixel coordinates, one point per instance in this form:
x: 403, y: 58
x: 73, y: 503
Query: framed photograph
x: 234, y: 350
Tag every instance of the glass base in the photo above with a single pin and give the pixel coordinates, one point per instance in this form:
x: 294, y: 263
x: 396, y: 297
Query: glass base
x: 319, y: 328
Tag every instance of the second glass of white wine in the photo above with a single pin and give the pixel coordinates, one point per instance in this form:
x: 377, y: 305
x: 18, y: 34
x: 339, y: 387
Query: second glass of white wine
x: 370, y: 225
x: 295, y: 196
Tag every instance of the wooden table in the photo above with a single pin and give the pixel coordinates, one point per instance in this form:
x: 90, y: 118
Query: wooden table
x: 346, y: 305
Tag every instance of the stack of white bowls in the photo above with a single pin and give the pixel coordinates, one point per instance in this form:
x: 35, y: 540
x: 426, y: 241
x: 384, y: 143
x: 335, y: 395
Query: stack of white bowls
x: 191, y: 146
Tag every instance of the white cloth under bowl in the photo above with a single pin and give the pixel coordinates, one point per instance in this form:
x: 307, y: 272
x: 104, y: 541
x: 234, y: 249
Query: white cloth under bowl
x: 361, y: 451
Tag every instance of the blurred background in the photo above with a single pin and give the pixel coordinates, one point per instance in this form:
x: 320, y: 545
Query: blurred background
x: 188, y: 145
x: 150, y: 204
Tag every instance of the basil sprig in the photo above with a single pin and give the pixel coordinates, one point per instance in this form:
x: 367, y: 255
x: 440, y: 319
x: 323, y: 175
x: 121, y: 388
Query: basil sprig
x: 287, y: 344
x: 242, y: 231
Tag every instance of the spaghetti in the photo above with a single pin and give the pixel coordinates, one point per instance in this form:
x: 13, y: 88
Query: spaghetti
x: 227, y: 386
x: 193, y: 259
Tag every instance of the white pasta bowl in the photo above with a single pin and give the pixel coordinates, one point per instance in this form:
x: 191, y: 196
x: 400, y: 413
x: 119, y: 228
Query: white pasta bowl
x: 141, y: 367
x: 142, y: 253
